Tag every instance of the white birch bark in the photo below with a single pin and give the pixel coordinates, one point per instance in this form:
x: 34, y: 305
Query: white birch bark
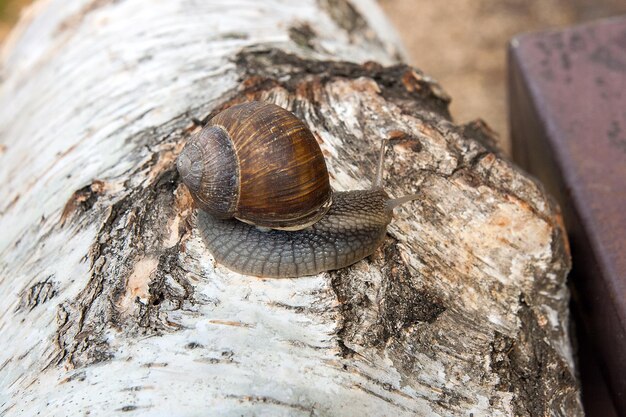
x: 110, y: 302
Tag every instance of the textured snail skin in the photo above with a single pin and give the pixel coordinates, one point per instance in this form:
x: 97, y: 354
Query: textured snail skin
x: 352, y: 229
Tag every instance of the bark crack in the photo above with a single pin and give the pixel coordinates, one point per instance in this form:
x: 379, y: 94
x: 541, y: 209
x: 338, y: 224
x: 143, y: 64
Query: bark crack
x: 37, y: 294
x: 135, y: 227
x: 522, y: 365
x: 373, y: 312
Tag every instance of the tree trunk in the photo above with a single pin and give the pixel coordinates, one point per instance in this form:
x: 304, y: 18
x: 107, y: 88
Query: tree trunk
x: 111, y: 302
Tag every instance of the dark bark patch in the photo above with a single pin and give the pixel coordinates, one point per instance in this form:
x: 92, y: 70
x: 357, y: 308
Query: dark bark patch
x: 235, y: 35
x: 165, y: 293
x: 127, y: 408
x: 375, y: 312
x: 76, y: 376
x: 135, y: 225
x: 155, y: 365
x: 137, y: 388
x: 298, y: 407
x: 482, y: 133
x: 401, y: 84
x: 37, y: 294
x: 345, y: 16
x: 532, y: 369
x: 302, y: 34
x: 404, y: 140
x: 82, y: 200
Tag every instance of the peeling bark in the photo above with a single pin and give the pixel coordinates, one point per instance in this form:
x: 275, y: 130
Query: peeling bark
x: 112, y: 302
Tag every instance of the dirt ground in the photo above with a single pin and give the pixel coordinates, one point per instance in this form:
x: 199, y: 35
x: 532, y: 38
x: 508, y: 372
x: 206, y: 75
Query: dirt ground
x: 462, y: 43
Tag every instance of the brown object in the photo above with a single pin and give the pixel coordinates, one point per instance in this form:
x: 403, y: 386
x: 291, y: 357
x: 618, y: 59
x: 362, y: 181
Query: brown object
x: 568, y: 124
x: 259, y: 163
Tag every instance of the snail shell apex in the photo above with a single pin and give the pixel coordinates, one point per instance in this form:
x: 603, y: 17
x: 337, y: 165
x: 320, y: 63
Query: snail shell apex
x: 259, y: 163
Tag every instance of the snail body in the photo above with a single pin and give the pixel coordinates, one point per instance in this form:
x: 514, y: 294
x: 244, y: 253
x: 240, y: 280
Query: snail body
x: 352, y: 229
x: 267, y: 212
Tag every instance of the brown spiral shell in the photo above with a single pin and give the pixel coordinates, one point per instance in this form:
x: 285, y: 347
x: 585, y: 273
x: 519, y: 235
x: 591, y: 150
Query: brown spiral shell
x: 259, y: 163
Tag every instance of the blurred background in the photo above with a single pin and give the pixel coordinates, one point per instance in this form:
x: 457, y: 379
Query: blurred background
x: 462, y: 43
x: 9, y: 13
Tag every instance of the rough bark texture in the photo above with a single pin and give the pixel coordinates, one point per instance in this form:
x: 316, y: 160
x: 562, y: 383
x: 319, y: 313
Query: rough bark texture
x: 111, y: 303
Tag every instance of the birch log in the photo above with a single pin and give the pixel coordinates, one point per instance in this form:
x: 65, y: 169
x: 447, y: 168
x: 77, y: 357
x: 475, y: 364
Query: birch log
x: 111, y: 305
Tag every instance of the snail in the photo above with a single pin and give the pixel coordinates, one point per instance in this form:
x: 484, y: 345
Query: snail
x: 266, y: 206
